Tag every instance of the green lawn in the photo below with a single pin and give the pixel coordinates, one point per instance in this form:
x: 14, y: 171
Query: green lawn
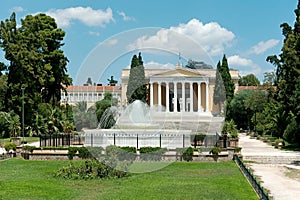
x: 24, y: 179
x: 27, y: 139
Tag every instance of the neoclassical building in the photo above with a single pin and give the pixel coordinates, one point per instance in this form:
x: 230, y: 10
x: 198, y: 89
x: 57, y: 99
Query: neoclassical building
x: 180, y: 89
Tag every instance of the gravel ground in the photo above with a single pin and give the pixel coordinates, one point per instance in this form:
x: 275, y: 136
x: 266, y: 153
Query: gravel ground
x: 282, y: 180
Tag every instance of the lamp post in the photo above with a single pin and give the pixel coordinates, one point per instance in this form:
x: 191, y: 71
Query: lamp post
x: 23, y: 113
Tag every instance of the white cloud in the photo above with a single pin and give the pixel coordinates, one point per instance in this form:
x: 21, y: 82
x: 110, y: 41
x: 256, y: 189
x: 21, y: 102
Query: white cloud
x: 156, y: 65
x: 94, y: 33
x: 87, y: 15
x: 125, y: 17
x: 190, y: 38
x: 111, y: 42
x: 262, y: 46
x: 239, y: 61
x: 17, y: 9
x: 244, y: 65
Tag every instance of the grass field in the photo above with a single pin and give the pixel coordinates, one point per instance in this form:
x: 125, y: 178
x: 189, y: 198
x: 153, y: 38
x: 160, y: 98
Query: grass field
x: 27, y: 139
x: 24, y: 179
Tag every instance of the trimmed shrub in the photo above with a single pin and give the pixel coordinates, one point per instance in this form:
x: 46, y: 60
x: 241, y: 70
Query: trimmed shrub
x: 71, y: 152
x: 187, y: 154
x: 152, y: 153
x: 90, y: 169
x: 29, y: 148
x: 10, y: 145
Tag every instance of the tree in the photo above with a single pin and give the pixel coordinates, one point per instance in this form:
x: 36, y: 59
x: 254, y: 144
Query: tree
x: 111, y: 81
x: 269, y: 78
x: 219, y: 90
x: 35, y: 61
x: 288, y: 69
x: 249, y: 80
x: 104, y: 112
x: 3, y: 89
x: 227, y: 80
x: 137, y: 88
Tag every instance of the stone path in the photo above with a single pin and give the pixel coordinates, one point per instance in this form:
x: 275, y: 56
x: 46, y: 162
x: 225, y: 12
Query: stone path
x: 278, y: 170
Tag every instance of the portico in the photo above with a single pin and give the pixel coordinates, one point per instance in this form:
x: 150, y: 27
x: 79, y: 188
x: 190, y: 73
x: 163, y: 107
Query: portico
x: 180, y: 95
x: 179, y: 90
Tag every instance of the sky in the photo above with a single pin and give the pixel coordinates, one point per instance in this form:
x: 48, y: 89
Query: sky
x: 103, y: 35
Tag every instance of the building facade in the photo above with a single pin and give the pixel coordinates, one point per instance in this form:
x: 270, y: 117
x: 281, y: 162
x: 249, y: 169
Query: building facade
x: 180, y: 89
x: 89, y: 94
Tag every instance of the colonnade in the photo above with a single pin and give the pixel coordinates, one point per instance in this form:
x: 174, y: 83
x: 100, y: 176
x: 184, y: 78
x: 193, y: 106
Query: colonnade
x: 180, y: 96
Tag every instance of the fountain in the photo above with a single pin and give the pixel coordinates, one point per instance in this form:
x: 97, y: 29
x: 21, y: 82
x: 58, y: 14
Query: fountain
x: 135, y: 127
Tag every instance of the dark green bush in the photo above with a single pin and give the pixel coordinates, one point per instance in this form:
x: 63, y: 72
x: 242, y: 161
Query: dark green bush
x: 71, y: 152
x: 127, y: 153
x: 291, y: 133
x: 29, y: 148
x: 90, y: 169
x: 152, y: 153
x: 84, y: 153
x: 187, y: 154
x: 10, y: 145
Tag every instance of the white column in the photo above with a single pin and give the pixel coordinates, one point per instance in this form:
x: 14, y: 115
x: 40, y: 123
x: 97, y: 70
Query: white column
x: 199, y: 97
x: 175, y: 97
x: 183, y: 97
x: 159, y: 93
x: 206, y: 90
x: 191, y: 97
x: 151, y: 94
x: 167, y: 97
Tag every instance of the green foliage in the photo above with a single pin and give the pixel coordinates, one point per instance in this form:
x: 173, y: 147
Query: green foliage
x: 200, y: 137
x: 91, y: 169
x: 219, y: 90
x: 152, y: 153
x: 127, y: 153
x: 111, y: 81
x: 105, y: 115
x: 10, y: 145
x: 3, y: 88
x: 136, y: 89
x: 9, y: 124
x: 229, y: 127
x: 288, y: 73
x: 29, y: 148
x: 71, y: 152
x: 292, y: 133
x: 36, y: 63
x: 186, y: 153
x: 215, y: 151
x: 278, y: 141
x: 224, y: 86
x: 245, y: 104
x: 249, y: 80
x: 83, y: 117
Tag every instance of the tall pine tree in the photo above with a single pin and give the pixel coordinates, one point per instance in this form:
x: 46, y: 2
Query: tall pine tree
x: 288, y: 72
x: 137, y: 88
x: 36, y: 62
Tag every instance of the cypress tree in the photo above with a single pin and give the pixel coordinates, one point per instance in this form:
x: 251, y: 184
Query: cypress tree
x: 136, y: 89
x: 227, y: 80
x: 219, y: 90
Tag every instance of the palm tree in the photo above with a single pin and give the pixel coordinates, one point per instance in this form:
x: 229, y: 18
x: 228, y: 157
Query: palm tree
x: 14, y: 126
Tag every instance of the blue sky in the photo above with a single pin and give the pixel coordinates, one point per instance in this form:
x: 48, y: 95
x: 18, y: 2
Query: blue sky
x: 102, y: 36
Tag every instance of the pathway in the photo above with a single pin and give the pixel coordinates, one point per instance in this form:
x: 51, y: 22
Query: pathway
x: 278, y: 170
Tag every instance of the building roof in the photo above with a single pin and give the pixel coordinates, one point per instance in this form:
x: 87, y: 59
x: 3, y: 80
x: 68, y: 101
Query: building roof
x: 93, y: 88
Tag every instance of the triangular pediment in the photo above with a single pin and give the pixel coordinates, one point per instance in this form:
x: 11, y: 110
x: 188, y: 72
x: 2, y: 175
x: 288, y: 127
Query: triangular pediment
x: 179, y: 72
